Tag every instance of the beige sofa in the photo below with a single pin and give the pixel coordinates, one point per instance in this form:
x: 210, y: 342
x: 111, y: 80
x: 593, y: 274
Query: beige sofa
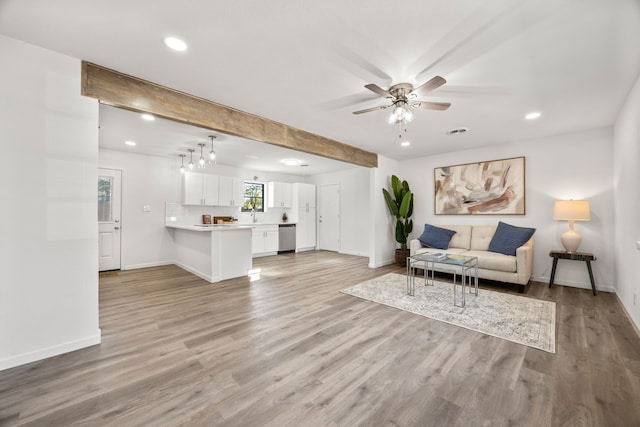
x: 474, y: 241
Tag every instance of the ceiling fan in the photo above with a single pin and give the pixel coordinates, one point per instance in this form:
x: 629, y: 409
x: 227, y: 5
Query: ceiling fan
x: 403, y: 96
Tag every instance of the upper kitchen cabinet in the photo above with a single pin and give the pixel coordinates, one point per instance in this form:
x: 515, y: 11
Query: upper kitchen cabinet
x: 199, y: 189
x: 279, y: 195
x: 231, y: 191
x: 304, y: 195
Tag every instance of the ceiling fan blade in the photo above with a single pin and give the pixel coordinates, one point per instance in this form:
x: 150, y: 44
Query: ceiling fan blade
x: 430, y: 85
x: 377, y: 89
x: 431, y: 105
x: 381, y: 107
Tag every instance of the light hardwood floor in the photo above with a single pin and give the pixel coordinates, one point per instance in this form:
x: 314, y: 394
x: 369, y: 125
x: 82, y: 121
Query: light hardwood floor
x: 290, y: 350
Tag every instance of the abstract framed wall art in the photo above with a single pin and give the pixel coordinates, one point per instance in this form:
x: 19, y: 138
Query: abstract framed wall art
x: 495, y: 187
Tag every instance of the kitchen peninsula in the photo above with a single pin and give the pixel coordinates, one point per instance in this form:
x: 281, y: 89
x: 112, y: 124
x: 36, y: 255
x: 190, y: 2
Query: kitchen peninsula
x: 213, y: 252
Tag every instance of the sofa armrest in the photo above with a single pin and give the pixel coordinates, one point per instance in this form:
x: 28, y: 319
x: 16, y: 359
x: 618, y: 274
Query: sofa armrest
x: 414, y: 245
x: 524, y: 262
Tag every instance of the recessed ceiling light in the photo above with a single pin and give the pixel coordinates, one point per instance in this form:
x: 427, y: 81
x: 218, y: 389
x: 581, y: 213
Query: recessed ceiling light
x: 457, y: 131
x: 131, y: 143
x: 148, y: 116
x: 405, y: 144
x: 532, y: 116
x: 175, y: 44
x: 291, y: 162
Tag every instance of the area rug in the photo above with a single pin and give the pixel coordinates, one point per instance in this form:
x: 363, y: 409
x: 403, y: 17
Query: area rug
x: 526, y: 321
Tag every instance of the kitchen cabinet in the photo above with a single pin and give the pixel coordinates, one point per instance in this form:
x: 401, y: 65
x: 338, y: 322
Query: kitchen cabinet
x: 304, y: 203
x: 279, y: 194
x: 264, y: 240
x: 215, y: 253
x: 199, y: 189
x: 306, y: 229
x: 304, y: 195
x: 231, y: 191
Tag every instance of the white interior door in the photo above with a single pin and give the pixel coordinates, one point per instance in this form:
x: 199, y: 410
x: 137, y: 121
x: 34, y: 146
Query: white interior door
x: 109, y: 201
x: 329, y: 218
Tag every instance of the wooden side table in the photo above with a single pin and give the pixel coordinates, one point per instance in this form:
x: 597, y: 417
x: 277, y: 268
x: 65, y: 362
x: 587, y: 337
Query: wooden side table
x: 576, y: 256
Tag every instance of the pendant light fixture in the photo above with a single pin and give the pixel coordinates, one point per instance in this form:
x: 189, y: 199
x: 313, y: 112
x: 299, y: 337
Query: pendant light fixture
x: 182, y: 168
x: 212, y: 153
x: 201, y: 161
x: 191, y: 150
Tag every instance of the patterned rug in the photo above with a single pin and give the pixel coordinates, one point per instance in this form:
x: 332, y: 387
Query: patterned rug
x: 523, y: 320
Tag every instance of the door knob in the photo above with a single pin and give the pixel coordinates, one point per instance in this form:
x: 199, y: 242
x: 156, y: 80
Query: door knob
x: 117, y: 221
x: 116, y: 228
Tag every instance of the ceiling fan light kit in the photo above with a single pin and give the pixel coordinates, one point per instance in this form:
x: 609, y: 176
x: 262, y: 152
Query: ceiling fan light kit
x: 400, y: 96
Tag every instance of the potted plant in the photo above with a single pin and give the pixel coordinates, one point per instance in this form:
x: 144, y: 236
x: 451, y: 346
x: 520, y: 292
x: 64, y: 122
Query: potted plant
x: 400, y: 204
x: 285, y: 218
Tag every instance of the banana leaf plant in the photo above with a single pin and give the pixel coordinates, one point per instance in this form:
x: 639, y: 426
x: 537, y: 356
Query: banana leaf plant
x: 400, y: 205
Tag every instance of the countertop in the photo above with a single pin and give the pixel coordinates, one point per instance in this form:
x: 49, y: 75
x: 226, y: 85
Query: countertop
x: 223, y: 227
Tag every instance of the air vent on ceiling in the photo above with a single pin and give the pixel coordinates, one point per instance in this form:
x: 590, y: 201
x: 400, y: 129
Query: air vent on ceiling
x: 457, y: 131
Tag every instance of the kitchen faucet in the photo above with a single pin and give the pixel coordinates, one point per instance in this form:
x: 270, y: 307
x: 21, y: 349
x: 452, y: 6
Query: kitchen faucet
x: 253, y: 213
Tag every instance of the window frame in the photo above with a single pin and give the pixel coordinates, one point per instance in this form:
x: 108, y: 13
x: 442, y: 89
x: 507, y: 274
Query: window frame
x: 244, y: 197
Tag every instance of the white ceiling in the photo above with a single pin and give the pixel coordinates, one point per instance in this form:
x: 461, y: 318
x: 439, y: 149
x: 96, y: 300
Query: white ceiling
x: 168, y: 138
x: 305, y: 63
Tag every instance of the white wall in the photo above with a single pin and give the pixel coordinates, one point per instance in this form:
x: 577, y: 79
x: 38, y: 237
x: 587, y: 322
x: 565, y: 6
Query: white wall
x: 150, y: 181
x: 626, y: 163
x: 382, y: 226
x: 48, y: 227
x: 354, y: 208
x: 153, y: 181
x: 549, y: 176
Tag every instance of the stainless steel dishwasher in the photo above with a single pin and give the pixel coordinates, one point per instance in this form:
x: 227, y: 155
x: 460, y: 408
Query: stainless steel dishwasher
x: 286, y: 238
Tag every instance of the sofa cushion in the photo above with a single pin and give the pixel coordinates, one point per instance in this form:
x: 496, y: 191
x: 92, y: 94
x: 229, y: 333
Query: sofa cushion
x: 436, y: 237
x: 508, y: 238
x: 481, y: 236
x: 462, y: 238
x: 494, y: 261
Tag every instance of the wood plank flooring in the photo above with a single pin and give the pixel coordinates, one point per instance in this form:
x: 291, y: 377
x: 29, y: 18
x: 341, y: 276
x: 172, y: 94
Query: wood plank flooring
x: 289, y: 349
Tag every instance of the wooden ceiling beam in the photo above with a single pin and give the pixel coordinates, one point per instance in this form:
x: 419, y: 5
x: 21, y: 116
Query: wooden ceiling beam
x: 131, y: 93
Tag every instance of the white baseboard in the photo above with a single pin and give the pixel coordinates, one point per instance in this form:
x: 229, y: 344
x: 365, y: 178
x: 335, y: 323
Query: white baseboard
x: 581, y: 285
x: 382, y: 264
x: 33, y: 356
x: 200, y: 274
x: 636, y: 327
x: 261, y: 254
x: 147, y: 265
x: 355, y: 253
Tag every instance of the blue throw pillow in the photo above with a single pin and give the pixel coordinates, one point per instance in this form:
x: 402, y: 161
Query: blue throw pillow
x: 436, y: 237
x: 508, y: 238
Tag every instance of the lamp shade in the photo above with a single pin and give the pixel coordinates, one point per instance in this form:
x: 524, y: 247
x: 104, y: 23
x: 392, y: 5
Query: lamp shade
x: 577, y: 210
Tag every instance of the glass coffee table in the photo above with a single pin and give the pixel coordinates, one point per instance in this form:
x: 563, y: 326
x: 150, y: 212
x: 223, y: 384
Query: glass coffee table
x: 466, y: 266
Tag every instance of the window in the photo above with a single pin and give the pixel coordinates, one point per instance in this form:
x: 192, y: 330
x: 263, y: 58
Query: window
x: 105, y: 184
x: 253, y: 197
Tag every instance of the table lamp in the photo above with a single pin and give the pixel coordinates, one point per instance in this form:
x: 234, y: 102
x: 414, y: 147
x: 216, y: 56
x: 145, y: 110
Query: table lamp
x: 571, y: 210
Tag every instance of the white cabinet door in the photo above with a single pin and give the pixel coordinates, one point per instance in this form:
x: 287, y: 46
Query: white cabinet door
x: 265, y: 240
x: 271, y: 240
x: 306, y: 229
x: 257, y: 241
x: 210, y: 191
x: 311, y: 227
x: 307, y: 195
x: 231, y: 191
x: 199, y: 189
x: 279, y: 195
x: 304, y: 195
x: 192, y: 188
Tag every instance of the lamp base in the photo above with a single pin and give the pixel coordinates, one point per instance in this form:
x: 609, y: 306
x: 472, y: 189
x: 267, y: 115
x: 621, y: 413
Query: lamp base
x: 570, y: 240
